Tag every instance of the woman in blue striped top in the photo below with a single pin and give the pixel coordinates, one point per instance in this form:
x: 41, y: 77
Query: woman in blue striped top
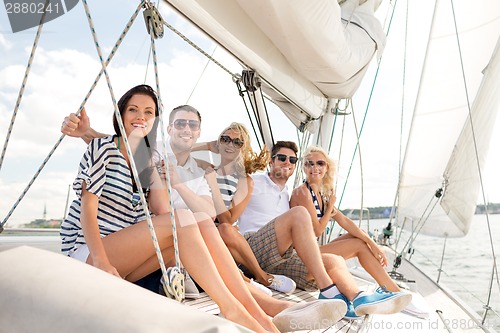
x: 318, y: 196
x: 105, y: 226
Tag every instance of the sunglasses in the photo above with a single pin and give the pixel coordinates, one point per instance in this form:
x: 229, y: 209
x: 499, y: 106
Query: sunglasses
x: 283, y: 157
x: 180, y: 124
x: 319, y: 163
x: 225, y: 139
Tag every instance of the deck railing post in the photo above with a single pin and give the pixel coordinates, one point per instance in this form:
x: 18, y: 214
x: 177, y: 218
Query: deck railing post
x: 487, y: 305
x: 442, y: 259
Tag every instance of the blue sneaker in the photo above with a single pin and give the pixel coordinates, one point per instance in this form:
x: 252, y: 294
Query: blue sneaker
x: 350, y: 314
x: 381, y: 302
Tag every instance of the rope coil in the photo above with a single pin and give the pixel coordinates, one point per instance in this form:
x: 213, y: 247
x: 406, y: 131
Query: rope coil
x: 173, y: 278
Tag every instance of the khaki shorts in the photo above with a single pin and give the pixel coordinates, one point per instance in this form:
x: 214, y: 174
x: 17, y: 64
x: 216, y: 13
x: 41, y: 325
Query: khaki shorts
x: 265, y: 247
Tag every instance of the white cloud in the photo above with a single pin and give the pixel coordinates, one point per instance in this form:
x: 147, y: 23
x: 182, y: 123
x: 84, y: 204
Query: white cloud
x: 4, y: 43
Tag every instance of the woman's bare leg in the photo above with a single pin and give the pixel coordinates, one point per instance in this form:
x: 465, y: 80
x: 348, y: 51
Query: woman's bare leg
x: 242, y: 253
x: 131, y: 249
x: 350, y: 247
x: 271, y: 306
x: 229, y: 271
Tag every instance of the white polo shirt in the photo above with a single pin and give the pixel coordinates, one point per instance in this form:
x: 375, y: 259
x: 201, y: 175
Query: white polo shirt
x: 267, y: 202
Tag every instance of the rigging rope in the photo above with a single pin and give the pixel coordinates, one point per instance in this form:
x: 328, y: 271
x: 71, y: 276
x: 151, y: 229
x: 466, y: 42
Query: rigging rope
x: 473, y: 132
x: 252, y: 84
x: 342, y: 136
x: 400, y: 162
x: 358, y: 146
x: 177, y: 290
x: 365, y: 115
x: 125, y: 141
x: 201, y: 75
x: 360, y: 168
x: 423, y: 219
x: 199, y: 49
x: 242, y: 95
x: 23, y: 85
x: 111, y: 54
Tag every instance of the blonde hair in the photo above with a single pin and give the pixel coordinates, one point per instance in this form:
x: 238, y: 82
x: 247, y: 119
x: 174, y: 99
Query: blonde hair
x: 326, y: 187
x: 248, y: 161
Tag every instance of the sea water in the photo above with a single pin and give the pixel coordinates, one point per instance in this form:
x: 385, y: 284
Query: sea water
x: 467, y: 263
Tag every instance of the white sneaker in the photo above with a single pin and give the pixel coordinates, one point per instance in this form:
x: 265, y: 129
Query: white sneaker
x: 413, y: 310
x: 190, y: 290
x: 315, y: 315
x: 261, y: 287
x: 283, y: 284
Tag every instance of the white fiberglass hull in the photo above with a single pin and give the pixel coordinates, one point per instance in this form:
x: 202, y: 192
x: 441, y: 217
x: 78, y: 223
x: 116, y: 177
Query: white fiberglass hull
x: 47, y: 292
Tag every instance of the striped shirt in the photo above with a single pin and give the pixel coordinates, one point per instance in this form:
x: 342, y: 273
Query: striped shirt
x: 319, y: 211
x: 227, y: 186
x: 106, y: 174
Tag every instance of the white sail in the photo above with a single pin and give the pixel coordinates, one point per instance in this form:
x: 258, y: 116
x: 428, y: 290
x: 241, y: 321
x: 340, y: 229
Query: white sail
x: 302, y: 50
x: 440, y: 151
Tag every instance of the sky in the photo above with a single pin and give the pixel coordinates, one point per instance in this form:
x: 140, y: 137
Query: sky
x: 66, y: 65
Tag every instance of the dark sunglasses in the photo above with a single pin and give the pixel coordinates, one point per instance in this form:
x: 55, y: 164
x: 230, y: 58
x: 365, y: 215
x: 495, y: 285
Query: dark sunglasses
x: 225, y: 139
x: 180, y: 124
x: 319, y: 163
x: 283, y: 157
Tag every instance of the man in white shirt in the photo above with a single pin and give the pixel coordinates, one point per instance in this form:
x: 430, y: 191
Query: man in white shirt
x: 284, y: 242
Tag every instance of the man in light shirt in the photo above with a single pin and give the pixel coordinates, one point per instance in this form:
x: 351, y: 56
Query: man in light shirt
x: 284, y: 242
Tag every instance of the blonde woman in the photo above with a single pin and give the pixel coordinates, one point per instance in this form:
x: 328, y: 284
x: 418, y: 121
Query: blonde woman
x: 317, y: 195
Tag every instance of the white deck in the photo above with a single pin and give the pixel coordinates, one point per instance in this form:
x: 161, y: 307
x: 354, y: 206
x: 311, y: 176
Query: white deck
x: 445, y: 314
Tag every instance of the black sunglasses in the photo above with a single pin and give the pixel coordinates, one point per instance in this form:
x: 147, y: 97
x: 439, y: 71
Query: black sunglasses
x: 180, y: 124
x: 283, y: 157
x: 237, y: 142
x: 319, y: 163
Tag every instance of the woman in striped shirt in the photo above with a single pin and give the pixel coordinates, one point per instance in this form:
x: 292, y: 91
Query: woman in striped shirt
x: 105, y: 226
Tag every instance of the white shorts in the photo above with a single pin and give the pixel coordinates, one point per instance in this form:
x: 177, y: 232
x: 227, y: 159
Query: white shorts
x: 81, y: 254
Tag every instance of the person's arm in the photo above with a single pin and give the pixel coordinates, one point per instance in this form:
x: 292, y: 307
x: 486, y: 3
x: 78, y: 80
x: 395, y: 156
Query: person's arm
x: 159, y: 202
x: 210, y: 146
x: 79, y: 127
x: 196, y: 203
x: 355, y: 231
x: 302, y: 197
x: 90, y: 228
x: 240, y: 200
